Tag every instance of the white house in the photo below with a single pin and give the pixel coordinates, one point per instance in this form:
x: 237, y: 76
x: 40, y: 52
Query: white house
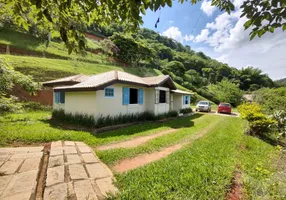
x: 116, y: 92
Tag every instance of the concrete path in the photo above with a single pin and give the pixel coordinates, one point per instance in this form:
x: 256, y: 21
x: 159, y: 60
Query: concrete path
x: 61, y: 170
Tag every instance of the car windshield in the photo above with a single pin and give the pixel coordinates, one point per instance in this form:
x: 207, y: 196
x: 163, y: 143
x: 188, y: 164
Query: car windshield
x: 225, y: 104
x: 203, y: 103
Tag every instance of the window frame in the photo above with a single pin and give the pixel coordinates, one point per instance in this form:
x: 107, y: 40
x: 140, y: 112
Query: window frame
x: 137, y: 92
x: 162, y: 95
x: 187, y: 99
x: 109, y: 88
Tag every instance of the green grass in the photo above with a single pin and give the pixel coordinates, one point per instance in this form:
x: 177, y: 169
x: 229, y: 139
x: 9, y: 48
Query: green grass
x: 28, y: 42
x: 34, y: 127
x: 195, y: 125
x: 202, y: 170
x: 43, y: 69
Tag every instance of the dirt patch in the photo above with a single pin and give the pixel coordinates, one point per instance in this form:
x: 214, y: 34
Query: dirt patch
x: 236, y: 192
x: 144, y: 159
x: 42, y: 175
x: 136, y: 141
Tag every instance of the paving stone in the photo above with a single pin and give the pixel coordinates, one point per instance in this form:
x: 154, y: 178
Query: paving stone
x: 80, y: 144
x: 30, y: 164
x: 69, y: 143
x: 56, y: 144
x: 97, y: 170
x: 56, y: 161
x: 1, y: 162
x: 10, y: 166
x: 21, y: 186
x: 77, y: 172
x: 70, y: 150
x: 4, y: 157
x: 73, y: 159
x: 4, y: 181
x: 84, y: 190
x: 55, y: 151
x: 106, y: 186
x: 27, y: 155
x: 56, y: 192
x: 84, y: 149
x: 55, y: 175
x: 89, y: 158
x: 21, y: 150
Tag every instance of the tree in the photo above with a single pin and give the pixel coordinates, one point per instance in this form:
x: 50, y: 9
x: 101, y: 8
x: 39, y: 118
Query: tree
x: 226, y: 91
x: 8, y: 78
x: 71, y: 18
x: 175, y: 67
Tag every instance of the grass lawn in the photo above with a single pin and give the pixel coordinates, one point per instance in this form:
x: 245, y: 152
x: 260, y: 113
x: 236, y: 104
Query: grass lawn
x: 34, y: 127
x: 204, y: 169
x: 201, y: 170
x: 43, y: 69
x: 198, y: 124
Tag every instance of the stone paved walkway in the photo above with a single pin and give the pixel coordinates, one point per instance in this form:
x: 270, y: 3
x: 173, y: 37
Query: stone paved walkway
x: 70, y: 170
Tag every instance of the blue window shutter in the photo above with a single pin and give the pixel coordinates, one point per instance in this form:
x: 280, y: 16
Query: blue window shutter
x: 141, y: 95
x: 57, y: 97
x: 184, y: 100
x: 125, y: 96
x: 62, y: 97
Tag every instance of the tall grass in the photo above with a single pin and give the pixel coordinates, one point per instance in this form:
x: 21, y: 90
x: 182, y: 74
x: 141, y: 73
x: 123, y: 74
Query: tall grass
x: 102, y: 121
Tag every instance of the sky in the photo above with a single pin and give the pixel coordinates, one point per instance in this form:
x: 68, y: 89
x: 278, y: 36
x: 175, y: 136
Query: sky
x: 221, y: 36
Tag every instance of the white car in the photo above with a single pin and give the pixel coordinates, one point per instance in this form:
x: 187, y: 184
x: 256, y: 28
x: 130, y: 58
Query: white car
x: 204, y: 106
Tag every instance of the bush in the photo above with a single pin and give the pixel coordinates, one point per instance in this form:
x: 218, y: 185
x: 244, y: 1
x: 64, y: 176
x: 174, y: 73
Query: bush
x: 31, y: 105
x: 102, y: 121
x: 9, y: 105
x: 186, y: 110
x: 280, y: 118
x: 259, y: 123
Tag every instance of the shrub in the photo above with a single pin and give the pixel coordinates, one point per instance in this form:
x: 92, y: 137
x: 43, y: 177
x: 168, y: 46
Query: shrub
x: 280, y: 118
x: 248, y: 110
x: 186, y: 110
x: 102, y: 121
x: 31, y: 105
x: 259, y: 123
x: 9, y: 105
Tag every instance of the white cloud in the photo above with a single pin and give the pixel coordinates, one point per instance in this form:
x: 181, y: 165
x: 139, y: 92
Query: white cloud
x: 174, y: 33
x: 228, y: 40
x: 207, y: 7
x: 171, y: 22
x: 203, y: 36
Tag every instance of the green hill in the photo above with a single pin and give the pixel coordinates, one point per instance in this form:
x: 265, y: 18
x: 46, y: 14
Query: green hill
x: 27, y: 57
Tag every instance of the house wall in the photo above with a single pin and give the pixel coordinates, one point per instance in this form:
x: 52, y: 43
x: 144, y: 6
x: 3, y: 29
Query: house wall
x: 95, y: 103
x: 80, y: 102
x: 114, y: 106
x: 178, y: 102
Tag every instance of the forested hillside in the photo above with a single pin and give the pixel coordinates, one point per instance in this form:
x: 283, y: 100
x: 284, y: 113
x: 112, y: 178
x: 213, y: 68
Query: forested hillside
x: 193, y: 70
x: 281, y: 82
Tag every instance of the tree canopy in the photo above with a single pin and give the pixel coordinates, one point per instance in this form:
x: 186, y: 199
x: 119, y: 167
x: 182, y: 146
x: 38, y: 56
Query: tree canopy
x: 71, y: 18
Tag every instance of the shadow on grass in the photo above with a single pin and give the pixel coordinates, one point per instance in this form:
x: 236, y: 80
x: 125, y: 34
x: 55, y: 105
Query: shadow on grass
x: 129, y: 129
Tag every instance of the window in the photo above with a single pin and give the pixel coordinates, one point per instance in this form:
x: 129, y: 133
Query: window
x: 186, y: 99
x: 133, y: 98
x: 109, y: 92
x: 60, y: 97
x: 162, y: 96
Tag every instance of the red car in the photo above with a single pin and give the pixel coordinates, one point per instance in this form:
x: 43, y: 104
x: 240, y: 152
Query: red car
x: 224, y: 108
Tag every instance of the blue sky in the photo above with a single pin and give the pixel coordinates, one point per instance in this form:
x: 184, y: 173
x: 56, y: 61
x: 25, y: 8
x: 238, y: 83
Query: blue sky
x: 221, y: 36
